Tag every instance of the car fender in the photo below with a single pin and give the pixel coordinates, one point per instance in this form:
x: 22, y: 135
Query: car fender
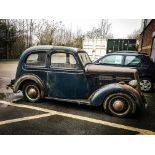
x: 29, y: 77
x: 99, y: 96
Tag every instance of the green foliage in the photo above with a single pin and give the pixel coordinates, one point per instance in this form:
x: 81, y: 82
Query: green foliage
x: 7, y: 38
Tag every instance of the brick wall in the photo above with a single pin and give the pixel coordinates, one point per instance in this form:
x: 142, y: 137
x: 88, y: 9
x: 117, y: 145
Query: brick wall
x: 147, y: 37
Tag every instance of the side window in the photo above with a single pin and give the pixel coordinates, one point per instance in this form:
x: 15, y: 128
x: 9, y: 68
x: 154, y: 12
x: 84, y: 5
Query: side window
x: 36, y: 59
x: 132, y: 61
x: 58, y: 58
x: 72, y: 60
x: 112, y: 60
x: 84, y: 58
x: 63, y: 60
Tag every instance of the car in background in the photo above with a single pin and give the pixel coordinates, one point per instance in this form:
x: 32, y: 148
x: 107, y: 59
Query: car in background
x: 133, y: 59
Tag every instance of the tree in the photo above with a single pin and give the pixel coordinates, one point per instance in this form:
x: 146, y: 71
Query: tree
x: 134, y: 35
x: 101, y: 31
x: 24, y: 35
x: 7, y: 37
x: 18, y: 34
x: 45, y: 31
x: 52, y: 32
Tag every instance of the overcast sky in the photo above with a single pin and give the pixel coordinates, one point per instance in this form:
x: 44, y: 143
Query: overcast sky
x: 120, y: 28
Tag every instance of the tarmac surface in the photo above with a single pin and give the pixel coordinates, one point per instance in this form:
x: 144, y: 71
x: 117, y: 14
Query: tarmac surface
x: 49, y: 117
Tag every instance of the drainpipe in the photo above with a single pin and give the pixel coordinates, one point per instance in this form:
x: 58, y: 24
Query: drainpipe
x: 143, y: 34
x: 142, y: 40
x: 153, y: 38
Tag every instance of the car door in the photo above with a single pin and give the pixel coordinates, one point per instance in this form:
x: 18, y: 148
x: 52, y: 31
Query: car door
x: 34, y: 64
x: 65, y: 77
x: 112, y: 60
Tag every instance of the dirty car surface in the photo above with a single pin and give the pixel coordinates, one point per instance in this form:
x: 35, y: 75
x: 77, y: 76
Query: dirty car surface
x: 67, y: 74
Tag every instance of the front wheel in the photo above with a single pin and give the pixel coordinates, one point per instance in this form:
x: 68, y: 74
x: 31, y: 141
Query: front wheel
x: 120, y: 105
x: 31, y: 92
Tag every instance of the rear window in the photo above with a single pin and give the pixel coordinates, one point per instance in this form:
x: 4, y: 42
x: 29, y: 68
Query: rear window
x: 36, y: 59
x: 132, y: 61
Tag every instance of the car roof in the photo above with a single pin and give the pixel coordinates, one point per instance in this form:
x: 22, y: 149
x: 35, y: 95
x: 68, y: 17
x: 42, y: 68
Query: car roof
x: 128, y: 53
x: 49, y: 47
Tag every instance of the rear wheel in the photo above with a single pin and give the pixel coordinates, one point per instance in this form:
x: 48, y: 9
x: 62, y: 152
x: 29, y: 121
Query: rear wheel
x: 31, y: 92
x: 146, y: 84
x: 120, y: 105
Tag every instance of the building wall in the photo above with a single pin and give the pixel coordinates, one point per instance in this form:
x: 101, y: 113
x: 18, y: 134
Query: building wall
x: 95, y: 47
x: 146, y: 38
x: 144, y: 23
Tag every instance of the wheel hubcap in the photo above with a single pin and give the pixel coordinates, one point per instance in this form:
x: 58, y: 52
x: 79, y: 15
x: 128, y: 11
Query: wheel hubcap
x: 32, y: 93
x: 145, y: 85
x: 118, y: 105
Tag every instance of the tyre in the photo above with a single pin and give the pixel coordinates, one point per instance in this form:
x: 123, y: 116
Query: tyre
x: 119, y: 105
x: 31, y: 92
x: 146, y: 84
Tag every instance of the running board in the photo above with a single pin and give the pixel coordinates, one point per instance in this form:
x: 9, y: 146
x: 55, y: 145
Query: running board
x: 79, y: 101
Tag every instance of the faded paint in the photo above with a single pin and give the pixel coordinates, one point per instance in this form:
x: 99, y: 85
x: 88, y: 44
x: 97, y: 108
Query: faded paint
x: 80, y: 83
x: 106, y: 69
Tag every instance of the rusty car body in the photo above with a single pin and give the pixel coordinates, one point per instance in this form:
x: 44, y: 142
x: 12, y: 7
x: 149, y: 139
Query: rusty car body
x: 67, y: 74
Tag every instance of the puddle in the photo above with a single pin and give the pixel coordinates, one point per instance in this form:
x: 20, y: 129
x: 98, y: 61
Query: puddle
x: 2, y: 105
x: 10, y: 96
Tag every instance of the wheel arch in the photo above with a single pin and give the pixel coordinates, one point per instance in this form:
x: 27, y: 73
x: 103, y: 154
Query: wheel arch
x: 29, y: 78
x: 145, y: 76
x: 98, y: 97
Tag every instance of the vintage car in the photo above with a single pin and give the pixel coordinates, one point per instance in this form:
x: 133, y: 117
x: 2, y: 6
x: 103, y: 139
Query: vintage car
x: 67, y: 74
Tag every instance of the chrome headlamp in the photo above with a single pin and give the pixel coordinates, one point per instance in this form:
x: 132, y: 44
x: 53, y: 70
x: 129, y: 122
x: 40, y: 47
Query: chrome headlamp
x: 133, y: 83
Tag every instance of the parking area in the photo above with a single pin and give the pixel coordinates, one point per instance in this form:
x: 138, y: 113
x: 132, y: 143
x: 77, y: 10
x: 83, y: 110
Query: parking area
x: 58, y: 118
x: 52, y: 117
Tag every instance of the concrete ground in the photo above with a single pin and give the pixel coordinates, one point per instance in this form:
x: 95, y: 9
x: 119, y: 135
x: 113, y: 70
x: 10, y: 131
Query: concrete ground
x: 58, y: 118
x: 7, y: 72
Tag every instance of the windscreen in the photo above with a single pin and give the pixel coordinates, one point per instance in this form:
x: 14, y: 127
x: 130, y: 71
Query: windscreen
x: 84, y: 58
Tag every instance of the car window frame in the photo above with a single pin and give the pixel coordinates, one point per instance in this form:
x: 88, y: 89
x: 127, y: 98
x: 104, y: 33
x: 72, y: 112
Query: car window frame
x: 83, y: 66
x: 35, y: 66
x: 62, y: 68
x: 139, y: 65
x: 112, y: 64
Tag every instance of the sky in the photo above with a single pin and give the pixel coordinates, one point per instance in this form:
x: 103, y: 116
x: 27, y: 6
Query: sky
x: 120, y: 28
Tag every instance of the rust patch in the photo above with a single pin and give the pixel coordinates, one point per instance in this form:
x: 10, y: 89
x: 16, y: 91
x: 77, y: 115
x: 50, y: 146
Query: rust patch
x: 102, y: 68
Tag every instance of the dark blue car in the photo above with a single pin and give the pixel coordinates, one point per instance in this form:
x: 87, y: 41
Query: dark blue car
x: 67, y: 74
x: 133, y: 59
